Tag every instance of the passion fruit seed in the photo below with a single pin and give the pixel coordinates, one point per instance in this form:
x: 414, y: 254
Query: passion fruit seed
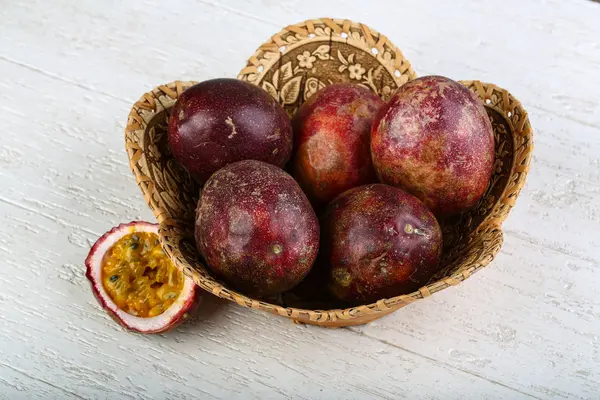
x: 146, y: 282
x: 139, y: 287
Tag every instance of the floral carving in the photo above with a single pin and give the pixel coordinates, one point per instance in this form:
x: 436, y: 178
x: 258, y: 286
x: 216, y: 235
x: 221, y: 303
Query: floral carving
x: 297, y: 72
x: 306, y: 60
x: 356, y: 71
x: 312, y: 86
x: 268, y: 86
x: 290, y: 91
x: 370, y: 78
x: 322, y: 52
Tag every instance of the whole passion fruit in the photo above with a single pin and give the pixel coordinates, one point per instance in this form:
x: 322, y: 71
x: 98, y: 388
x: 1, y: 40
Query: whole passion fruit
x: 220, y: 121
x: 379, y: 242
x: 256, y: 228
x: 136, y: 283
x: 332, y: 133
x: 435, y: 140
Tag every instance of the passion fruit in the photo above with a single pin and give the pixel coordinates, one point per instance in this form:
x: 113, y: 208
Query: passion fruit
x: 136, y: 282
x: 221, y: 121
x: 332, y: 132
x: 379, y: 242
x: 435, y: 140
x: 256, y: 229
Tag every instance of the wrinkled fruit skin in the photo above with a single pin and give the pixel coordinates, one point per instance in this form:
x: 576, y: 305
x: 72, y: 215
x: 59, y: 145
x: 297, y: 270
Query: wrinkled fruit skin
x: 220, y: 121
x: 380, y: 242
x: 435, y: 140
x: 332, y: 133
x: 256, y: 228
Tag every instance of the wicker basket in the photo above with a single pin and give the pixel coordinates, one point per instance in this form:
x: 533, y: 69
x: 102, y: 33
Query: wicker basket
x: 291, y: 66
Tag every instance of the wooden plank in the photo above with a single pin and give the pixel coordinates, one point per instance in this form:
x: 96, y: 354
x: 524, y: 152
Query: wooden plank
x: 217, y: 40
x: 16, y: 384
x: 525, y: 326
x: 532, y: 318
x: 65, y: 185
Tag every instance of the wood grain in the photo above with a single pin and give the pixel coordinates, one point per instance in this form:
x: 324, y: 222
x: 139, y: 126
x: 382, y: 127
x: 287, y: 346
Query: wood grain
x: 527, y: 326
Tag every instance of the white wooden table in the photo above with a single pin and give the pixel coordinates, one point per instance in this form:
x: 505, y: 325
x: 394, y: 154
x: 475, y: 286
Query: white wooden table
x: 528, y: 326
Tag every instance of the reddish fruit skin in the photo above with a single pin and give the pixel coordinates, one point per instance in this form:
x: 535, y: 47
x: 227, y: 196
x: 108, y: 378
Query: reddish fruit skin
x: 256, y: 228
x: 379, y: 242
x: 435, y: 140
x: 331, y: 133
x: 220, y: 121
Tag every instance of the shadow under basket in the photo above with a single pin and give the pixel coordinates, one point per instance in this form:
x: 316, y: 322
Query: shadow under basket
x: 291, y: 66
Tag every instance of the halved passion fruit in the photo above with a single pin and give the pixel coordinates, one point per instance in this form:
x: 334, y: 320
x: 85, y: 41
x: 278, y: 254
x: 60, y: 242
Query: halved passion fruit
x: 136, y: 282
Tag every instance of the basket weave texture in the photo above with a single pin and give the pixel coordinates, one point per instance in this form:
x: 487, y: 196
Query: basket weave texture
x: 291, y: 66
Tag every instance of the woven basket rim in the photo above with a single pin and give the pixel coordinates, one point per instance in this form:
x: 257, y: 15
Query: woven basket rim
x: 485, y: 90
x: 337, y: 27
x: 494, y: 96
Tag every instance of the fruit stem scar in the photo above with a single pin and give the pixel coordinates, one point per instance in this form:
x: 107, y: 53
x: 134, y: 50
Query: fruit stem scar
x: 229, y: 122
x: 181, y: 115
x: 277, y: 249
x: 342, y: 277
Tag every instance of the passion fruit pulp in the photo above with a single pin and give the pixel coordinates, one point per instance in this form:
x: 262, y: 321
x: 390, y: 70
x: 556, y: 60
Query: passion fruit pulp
x: 136, y: 282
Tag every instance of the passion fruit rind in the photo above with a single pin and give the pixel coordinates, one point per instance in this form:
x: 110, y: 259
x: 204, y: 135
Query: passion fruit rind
x: 186, y: 302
